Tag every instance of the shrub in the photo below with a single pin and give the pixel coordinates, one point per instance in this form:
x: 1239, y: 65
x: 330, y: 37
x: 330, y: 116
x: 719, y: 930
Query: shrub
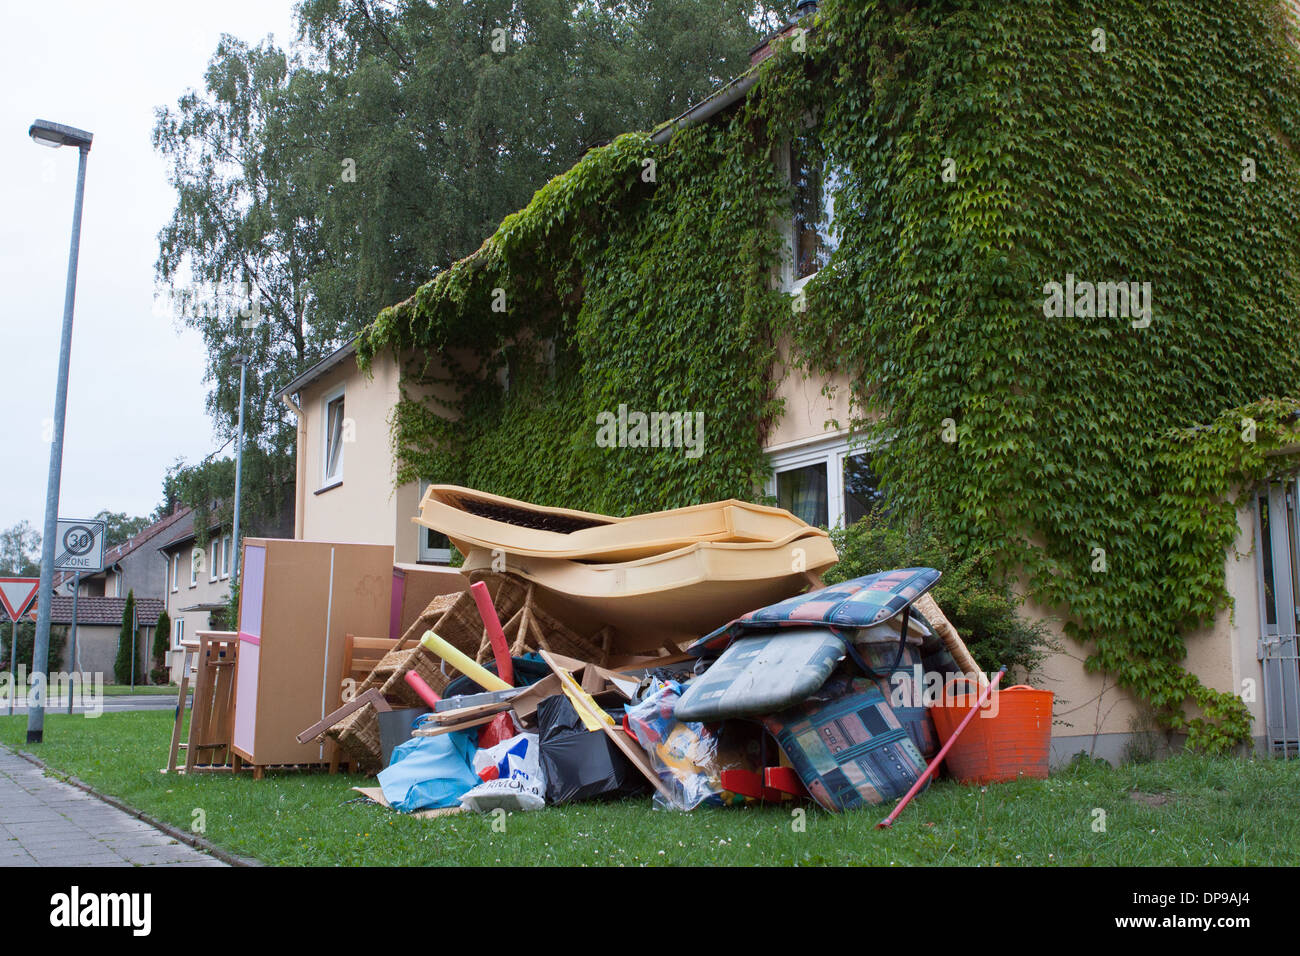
x: 123, y: 672
x: 162, y: 633
x: 27, y: 643
x: 986, y: 614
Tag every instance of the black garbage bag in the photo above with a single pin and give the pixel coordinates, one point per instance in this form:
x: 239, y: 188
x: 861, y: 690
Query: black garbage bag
x: 580, y: 764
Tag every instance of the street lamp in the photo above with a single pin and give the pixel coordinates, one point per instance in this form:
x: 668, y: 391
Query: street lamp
x: 55, y: 135
x: 242, y: 361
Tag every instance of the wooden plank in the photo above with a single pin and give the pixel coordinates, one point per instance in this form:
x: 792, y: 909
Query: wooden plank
x: 181, y: 700
x: 371, y: 696
x: 201, y: 709
x: 425, y: 731
x: 468, y: 713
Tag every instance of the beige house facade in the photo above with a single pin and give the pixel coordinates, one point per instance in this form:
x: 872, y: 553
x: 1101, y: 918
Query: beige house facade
x: 346, y: 470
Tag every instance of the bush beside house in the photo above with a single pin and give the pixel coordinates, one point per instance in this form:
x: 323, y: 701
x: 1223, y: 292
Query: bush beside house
x: 159, y: 673
x: 123, y: 669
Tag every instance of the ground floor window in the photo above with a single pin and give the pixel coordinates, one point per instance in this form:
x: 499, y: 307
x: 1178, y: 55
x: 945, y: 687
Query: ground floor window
x: 828, y: 482
x: 434, y: 546
x: 179, y: 631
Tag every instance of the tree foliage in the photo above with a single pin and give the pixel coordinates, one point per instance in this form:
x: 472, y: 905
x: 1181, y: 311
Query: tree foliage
x: 319, y: 184
x: 20, y: 551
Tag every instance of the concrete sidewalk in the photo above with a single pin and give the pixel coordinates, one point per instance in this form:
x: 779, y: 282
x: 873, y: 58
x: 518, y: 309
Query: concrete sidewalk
x: 45, y: 822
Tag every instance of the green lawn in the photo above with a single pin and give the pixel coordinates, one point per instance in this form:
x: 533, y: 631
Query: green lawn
x: 124, y: 690
x: 1183, y: 811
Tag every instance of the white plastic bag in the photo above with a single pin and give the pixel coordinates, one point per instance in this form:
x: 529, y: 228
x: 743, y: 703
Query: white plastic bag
x: 518, y: 784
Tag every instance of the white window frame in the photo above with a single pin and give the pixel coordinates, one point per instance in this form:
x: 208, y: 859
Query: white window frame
x: 832, y: 450
x: 175, y: 566
x: 424, y: 553
x: 225, y: 556
x: 178, y: 633
x: 331, y: 478
x: 195, y: 560
x: 214, y: 564
x: 788, y: 282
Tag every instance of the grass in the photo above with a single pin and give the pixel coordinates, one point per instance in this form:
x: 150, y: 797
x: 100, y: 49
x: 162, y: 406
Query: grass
x: 1187, y: 810
x: 123, y: 690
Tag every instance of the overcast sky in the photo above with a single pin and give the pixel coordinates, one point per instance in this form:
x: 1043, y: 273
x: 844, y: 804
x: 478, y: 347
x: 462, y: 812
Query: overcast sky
x: 136, y: 389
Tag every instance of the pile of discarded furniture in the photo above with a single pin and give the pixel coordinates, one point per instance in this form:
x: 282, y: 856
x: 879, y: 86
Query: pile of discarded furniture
x: 691, y: 654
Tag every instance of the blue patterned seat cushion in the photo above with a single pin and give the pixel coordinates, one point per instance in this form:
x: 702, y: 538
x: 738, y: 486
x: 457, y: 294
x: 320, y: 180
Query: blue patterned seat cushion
x: 860, y: 602
x: 848, y: 746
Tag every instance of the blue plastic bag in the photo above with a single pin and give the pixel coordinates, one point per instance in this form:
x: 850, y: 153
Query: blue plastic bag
x: 430, y: 772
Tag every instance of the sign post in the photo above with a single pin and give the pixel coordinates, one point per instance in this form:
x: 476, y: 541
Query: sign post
x: 72, y: 653
x: 78, y: 547
x: 16, y: 596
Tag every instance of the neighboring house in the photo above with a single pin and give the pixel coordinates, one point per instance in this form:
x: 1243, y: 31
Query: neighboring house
x: 99, y: 627
x: 345, y: 492
x: 197, y: 578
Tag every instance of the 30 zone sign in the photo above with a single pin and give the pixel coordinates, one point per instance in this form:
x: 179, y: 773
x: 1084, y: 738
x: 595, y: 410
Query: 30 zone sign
x: 79, y: 546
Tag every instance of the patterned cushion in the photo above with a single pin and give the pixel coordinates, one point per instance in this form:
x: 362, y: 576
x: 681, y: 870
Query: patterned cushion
x: 861, y: 602
x: 847, y: 746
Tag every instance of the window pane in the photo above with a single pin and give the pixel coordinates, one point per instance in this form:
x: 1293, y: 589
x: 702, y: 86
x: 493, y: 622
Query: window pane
x: 815, y: 237
x: 861, y: 488
x: 334, y: 437
x: 1266, y: 553
x: 802, y: 492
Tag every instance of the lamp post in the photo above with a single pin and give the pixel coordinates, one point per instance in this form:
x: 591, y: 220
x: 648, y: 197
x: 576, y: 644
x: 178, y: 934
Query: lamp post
x: 55, y: 135
x: 242, y: 361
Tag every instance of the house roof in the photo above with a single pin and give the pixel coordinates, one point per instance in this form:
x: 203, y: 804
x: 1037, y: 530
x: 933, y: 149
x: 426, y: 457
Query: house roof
x: 325, y: 365
x: 104, y: 610
x: 189, y: 535
x: 160, y: 531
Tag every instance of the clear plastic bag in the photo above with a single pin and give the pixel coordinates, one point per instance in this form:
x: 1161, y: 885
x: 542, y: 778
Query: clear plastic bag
x: 684, y: 755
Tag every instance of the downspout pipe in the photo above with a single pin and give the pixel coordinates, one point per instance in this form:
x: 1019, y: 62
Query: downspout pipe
x: 299, y: 484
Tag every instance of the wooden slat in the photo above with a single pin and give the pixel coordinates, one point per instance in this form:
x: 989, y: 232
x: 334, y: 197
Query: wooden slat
x: 181, y: 701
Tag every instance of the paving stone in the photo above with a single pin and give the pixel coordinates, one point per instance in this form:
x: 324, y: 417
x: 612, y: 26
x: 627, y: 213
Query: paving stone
x: 46, y: 822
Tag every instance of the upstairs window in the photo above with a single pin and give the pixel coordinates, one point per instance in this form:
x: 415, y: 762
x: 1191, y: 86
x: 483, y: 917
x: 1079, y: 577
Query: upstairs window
x: 225, y: 556
x: 332, y: 466
x: 812, y: 233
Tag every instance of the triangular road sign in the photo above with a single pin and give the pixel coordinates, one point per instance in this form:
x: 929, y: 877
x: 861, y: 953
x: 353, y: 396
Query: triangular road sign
x: 16, y: 594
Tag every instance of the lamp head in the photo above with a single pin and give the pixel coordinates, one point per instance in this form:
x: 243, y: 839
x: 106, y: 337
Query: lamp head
x: 55, y: 135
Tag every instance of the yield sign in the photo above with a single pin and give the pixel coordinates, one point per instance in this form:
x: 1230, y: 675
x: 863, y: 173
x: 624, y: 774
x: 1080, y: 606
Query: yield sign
x: 17, y: 594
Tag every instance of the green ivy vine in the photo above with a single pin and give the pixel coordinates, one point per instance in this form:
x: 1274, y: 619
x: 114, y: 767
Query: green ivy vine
x: 992, y: 148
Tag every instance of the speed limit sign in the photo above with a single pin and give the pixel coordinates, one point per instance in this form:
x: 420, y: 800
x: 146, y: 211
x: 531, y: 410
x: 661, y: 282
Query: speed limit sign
x: 79, y: 545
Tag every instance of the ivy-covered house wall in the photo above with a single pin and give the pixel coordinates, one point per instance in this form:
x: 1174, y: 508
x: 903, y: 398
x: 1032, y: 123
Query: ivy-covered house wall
x: 1063, y: 309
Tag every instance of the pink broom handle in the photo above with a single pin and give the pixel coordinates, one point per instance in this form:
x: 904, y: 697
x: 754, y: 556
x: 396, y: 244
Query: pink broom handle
x: 500, y: 649
x: 938, y: 758
x: 422, y: 688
